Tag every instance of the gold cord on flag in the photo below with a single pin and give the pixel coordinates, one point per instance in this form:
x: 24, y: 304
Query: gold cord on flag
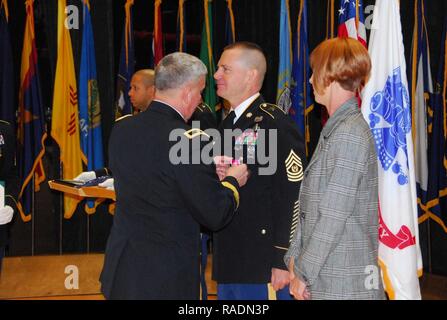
x: 330, y: 19
x: 230, y: 10
x: 157, y: 5
x: 182, y: 21
x: 298, y: 28
x: 87, y: 3
x: 208, y: 33
x: 290, y: 33
x: 413, y: 74
x: 4, y: 4
x: 309, y: 109
x: 127, y: 6
x: 357, y: 16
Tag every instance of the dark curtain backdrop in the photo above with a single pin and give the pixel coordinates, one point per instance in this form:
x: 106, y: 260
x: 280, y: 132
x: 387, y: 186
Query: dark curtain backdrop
x: 255, y: 20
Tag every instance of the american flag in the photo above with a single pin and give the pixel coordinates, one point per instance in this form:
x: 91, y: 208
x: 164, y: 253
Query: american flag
x: 351, y: 21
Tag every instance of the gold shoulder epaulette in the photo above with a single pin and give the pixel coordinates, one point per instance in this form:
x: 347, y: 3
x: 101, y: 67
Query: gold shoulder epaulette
x: 195, y: 132
x: 4, y: 121
x: 123, y: 117
x: 270, y: 109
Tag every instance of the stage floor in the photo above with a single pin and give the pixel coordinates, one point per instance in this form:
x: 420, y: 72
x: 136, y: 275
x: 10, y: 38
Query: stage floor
x: 56, y: 276
x: 75, y: 277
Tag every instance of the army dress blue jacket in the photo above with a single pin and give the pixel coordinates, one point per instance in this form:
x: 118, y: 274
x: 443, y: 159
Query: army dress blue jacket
x: 153, y: 248
x: 255, y: 241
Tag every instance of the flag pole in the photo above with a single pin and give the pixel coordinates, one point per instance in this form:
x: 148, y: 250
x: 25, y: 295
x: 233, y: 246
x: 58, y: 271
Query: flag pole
x: 61, y: 208
x: 88, y: 233
x: 429, y: 244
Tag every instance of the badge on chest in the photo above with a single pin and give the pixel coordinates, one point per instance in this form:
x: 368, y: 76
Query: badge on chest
x: 245, y: 146
x: 246, y: 143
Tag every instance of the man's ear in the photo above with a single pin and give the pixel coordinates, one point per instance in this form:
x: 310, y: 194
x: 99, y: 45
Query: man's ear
x: 252, y: 75
x: 186, y: 94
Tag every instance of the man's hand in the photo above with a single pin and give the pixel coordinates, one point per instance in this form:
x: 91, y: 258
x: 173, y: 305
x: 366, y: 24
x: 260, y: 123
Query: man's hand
x: 240, y: 172
x: 280, y: 278
x: 108, y: 184
x: 222, y: 164
x: 6, y: 214
x: 86, y: 176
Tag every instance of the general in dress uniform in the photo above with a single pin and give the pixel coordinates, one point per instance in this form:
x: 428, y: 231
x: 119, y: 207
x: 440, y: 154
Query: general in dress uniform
x: 154, y: 245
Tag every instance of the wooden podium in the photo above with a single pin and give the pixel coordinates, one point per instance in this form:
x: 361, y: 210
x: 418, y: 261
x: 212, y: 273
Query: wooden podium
x: 79, y: 190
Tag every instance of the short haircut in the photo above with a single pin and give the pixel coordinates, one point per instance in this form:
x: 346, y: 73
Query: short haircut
x: 343, y: 60
x: 253, y: 57
x: 147, y: 76
x: 177, y: 69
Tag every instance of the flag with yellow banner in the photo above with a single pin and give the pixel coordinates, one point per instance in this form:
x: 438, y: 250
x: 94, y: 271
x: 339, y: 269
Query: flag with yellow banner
x: 65, y: 122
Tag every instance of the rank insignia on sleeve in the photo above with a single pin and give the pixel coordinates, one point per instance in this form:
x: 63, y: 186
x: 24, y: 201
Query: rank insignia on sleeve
x: 294, y: 167
x: 123, y: 117
x: 195, y: 132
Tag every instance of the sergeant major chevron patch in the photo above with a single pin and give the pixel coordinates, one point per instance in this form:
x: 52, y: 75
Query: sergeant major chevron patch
x: 294, y: 167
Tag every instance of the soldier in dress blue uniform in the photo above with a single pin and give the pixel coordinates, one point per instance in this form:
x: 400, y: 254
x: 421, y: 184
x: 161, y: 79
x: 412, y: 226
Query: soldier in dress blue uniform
x: 141, y: 94
x: 248, y: 253
x: 153, y: 248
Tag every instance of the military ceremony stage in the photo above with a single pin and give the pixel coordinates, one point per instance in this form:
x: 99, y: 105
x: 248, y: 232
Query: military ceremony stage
x: 60, y: 277
x: 53, y: 277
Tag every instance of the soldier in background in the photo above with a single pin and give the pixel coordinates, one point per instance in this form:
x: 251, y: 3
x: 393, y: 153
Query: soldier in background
x: 142, y: 89
x: 7, y: 155
x: 141, y: 93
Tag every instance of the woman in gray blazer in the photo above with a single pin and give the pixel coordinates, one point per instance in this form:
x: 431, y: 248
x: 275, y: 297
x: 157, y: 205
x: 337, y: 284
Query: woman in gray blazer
x: 334, y: 252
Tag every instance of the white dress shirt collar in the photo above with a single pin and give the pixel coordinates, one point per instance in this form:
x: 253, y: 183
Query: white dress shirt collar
x: 239, y: 110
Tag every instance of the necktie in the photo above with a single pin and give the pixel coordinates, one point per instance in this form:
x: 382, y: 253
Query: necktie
x: 228, y: 121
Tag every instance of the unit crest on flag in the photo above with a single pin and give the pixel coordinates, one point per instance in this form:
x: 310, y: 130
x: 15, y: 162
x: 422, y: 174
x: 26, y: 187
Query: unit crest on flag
x: 390, y: 122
